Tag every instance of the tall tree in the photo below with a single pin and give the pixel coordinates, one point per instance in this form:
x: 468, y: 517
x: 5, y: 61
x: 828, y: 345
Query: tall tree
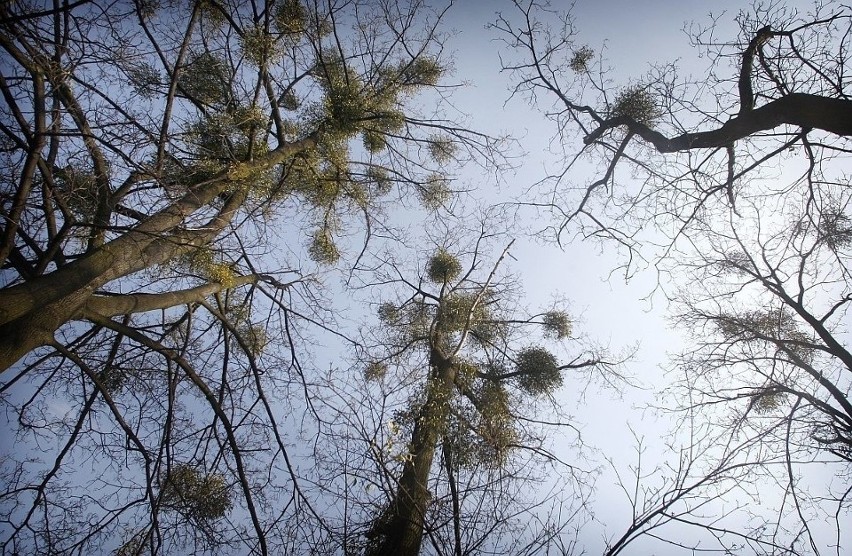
x: 771, y: 348
x: 458, y: 384
x: 740, y: 177
x: 161, y: 164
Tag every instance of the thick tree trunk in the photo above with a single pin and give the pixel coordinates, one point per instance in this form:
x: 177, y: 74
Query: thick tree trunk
x: 399, y: 531
x: 31, y: 312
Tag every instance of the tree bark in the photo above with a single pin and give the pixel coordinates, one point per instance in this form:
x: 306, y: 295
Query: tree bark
x: 400, y: 529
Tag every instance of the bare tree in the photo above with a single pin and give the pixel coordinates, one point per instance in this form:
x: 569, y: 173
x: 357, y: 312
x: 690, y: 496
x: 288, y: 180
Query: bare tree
x: 161, y: 164
x: 688, y: 144
x: 735, y: 184
x: 771, y: 348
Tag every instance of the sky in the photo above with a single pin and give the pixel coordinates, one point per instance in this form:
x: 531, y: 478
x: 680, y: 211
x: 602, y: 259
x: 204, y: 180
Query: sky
x: 608, y: 308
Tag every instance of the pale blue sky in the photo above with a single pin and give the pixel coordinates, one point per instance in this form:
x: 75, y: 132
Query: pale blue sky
x: 635, y: 34
x: 606, y: 308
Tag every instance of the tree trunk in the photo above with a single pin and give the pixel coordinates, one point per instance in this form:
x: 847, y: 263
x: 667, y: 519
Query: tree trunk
x: 399, y: 531
x: 31, y: 312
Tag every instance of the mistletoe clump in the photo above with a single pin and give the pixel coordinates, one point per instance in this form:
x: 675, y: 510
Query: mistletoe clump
x: 205, y: 78
x: 580, y: 59
x: 323, y: 249
x: 202, y: 495
x: 637, y: 103
x: 537, y: 371
x: 435, y: 192
x: 443, y: 267
x: 557, y: 324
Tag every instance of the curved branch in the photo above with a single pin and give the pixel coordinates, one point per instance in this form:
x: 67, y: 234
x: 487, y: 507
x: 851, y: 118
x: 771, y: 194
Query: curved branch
x: 744, y: 84
x: 803, y: 110
x: 107, y: 305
